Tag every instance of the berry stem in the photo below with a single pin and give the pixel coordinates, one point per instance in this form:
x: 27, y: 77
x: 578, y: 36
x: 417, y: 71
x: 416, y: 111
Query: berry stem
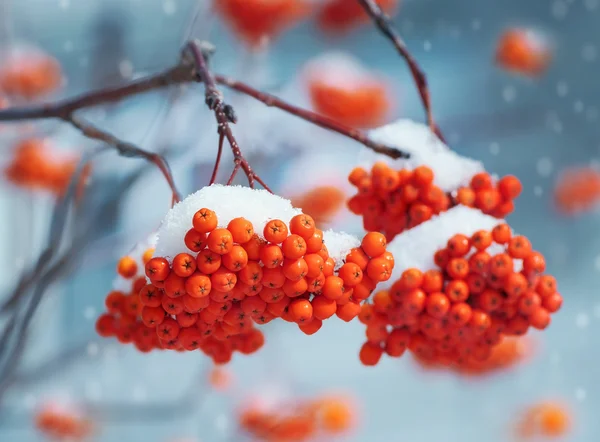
x: 385, y: 26
x: 224, y: 113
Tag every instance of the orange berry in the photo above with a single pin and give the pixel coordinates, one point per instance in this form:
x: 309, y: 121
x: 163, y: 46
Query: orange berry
x: 465, y: 197
x: 303, y: 225
x: 149, y: 296
x: 357, y: 174
x: 358, y: 257
x: 422, y: 176
x: 458, y: 268
x: 315, y: 243
x: 301, y: 310
x: 519, y: 247
x: 373, y: 244
x: 127, y: 267
x: 552, y: 302
x: 184, y: 265
x: 433, y: 281
x: 481, y: 240
x: 370, y: 354
x: 501, y: 233
x: 501, y: 265
x: 437, y: 305
x: 220, y: 241
x: 253, y: 247
x: 481, y: 181
x: 351, y: 274
x: 323, y: 307
x: 460, y: 314
x: 241, y: 230
x: 315, y: 265
x: 114, y: 302
x: 294, y: 247
x: 311, y: 327
x: 194, y: 240
x: 275, y: 231
x: 534, y: 264
x: 510, y: 187
x: 223, y: 280
x: 295, y: 269
x: 487, y: 200
x: 458, y: 246
x: 539, y: 318
x: 158, y: 269
x: 457, y: 291
x: 152, y: 316
x: 546, y: 285
x: 271, y: 256
x: 198, y: 285
x: 333, y: 287
x: 273, y: 278
x: 236, y: 259
x: 204, y: 221
x: 208, y: 261
x: 147, y: 256
x: 174, y: 286
x: 411, y: 279
x: 379, y: 269
x: 194, y: 305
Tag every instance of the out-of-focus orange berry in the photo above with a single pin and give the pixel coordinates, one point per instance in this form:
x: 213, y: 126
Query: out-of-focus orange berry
x: 30, y: 74
x: 523, y: 51
x: 256, y: 20
x: 547, y: 419
x: 321, y: 203
x: 577, y: 190
x: 340, y: 88
x: 338, y: 16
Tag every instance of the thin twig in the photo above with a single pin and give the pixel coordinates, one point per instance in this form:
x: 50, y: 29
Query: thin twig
x: 213, y: 178
x: 311, y: 117
x: 126, y: 149
x: 224, y: 113
x: 385, y: 26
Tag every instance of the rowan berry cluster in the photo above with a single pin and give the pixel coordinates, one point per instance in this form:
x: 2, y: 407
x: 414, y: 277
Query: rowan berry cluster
x: 391, y: 201
x: 464, y: 308
x: 35, y: 166
x: 59, y: 424
x: 211, y: 297
x: 299, y: 422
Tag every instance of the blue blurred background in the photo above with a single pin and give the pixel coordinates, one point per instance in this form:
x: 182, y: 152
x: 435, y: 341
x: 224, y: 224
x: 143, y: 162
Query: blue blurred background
x: 530, y: 128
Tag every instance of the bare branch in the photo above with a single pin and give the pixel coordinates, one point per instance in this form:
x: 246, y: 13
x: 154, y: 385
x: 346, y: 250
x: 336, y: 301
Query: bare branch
x: 126, y: 149
x: 224, y: 113
x: 385, y: 26
x: 311, y: 117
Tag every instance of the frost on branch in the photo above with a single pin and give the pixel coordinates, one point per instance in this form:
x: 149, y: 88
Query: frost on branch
x: 395, y: 195
x: 212, y: 278
x: 463, y: 282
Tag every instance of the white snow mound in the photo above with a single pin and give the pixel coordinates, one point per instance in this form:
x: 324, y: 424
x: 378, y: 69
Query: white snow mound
x: 451, y: 170
x: 256, y: 205
x: 415, y: 247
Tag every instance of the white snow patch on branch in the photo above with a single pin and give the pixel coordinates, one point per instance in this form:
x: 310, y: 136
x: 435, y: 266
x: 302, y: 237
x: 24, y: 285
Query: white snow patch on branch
x: 451, y: 170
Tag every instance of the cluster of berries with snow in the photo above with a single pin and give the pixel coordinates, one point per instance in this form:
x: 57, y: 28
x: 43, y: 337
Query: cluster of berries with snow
x: 209, y: 285
x: 392, y: 198
x: 459, y: 303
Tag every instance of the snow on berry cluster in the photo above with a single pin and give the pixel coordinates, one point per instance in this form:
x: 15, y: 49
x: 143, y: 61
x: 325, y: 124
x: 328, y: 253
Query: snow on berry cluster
x: 229, y: 258
x: 463, y: 281
x: 393, y: 197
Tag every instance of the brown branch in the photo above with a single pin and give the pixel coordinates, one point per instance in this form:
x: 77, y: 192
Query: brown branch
x: 385, y: 26
x: 126, y: 149
x: 311, y: 117
x: 62, y: 109
x: 224, y: 113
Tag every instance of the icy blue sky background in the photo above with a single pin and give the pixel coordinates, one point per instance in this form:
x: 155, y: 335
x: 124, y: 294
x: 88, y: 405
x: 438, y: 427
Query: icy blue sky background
x: 529, y: 129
